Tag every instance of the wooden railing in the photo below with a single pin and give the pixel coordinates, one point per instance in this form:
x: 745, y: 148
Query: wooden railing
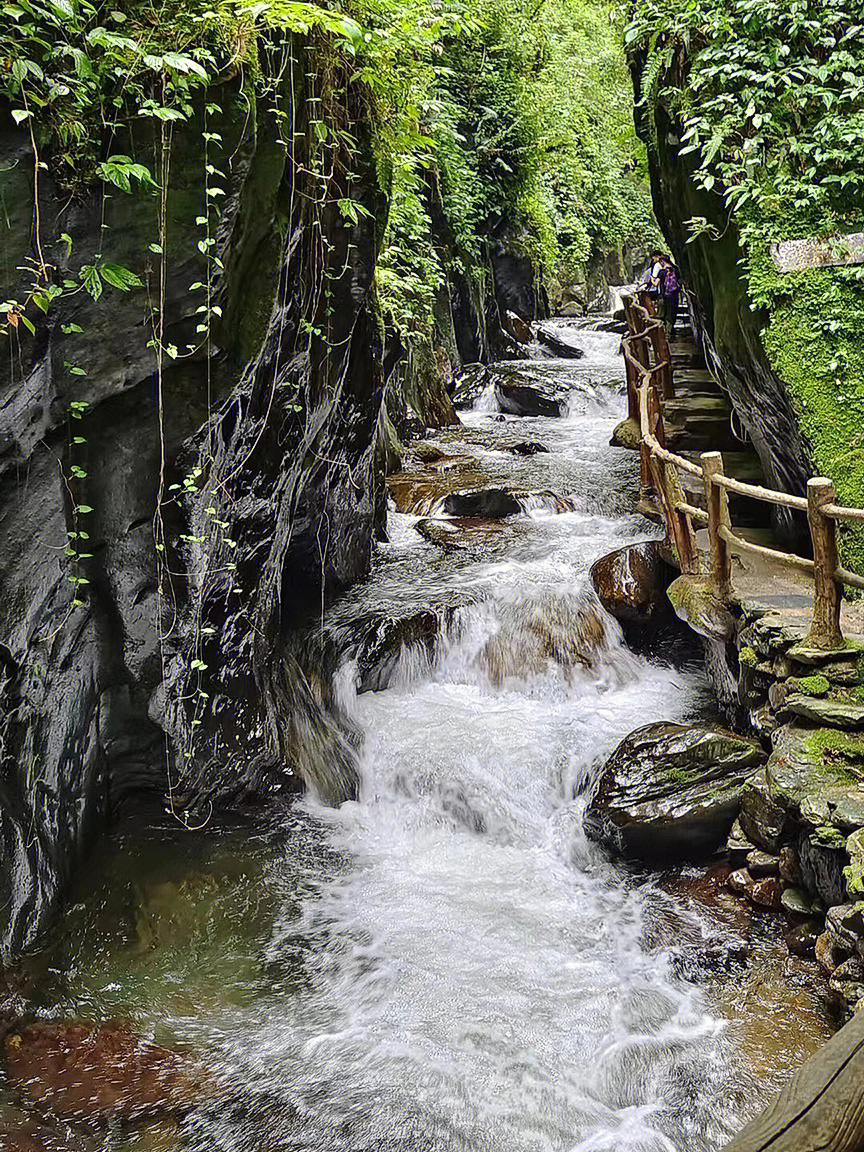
x: 649, y: 379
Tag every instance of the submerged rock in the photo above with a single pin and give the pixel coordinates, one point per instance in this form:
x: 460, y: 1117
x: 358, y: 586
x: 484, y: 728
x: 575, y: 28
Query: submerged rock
x: 101, y: 1071
x: 670, y: 791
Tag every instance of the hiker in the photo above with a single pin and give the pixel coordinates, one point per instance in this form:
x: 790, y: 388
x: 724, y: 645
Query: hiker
x: 649, y: 286
x: 668, y: 293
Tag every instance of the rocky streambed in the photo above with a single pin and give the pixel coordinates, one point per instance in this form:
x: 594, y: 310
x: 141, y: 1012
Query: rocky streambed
x: 447, y: 960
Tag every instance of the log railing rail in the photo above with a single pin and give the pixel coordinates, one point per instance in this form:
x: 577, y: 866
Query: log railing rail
x: 650, y: 379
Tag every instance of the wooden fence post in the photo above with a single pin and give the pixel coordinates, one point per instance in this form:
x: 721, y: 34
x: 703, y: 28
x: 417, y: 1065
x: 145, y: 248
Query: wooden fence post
x: 632, y: 391
x: 718, y: 517
x: 827, y: 592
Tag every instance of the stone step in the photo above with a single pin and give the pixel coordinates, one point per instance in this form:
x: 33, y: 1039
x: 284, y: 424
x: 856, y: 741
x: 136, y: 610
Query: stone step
x: 744, y: 466
x: 695, y: 380
x: 685, y: 409
x: 701, y: 434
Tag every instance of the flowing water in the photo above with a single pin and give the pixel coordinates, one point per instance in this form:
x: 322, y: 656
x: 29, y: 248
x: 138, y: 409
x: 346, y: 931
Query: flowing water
x: 447, y: 964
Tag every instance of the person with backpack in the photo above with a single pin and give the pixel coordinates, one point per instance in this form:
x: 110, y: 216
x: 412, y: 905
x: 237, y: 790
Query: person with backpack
x: 649, y: 286
x: 669, y: 289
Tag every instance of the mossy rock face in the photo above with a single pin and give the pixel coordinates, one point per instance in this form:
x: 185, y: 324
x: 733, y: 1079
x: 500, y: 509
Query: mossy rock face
x: 627, y: 434
x: 817, y: 777
x: 696, y: 603
x: 769, y: 634
x: 813, y: 686
x: 671, y: 791
x: 846, y: 714
x: 854, y: 870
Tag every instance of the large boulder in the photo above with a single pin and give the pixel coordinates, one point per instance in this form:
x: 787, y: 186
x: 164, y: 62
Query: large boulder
x: 630, y: 582
x: 671, y: 791
x: 484, y: 503
x: 524, y: 397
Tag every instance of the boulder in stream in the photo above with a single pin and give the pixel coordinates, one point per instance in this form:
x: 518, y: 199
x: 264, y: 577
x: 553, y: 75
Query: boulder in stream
x: 484, y: 503
x: 561, y: 338
x: 524, y: 391
x: 516, y: 327
x: 671, y: 791
x: 631, y: 582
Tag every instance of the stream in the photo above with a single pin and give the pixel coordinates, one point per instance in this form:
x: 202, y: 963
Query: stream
x: 447, y: 964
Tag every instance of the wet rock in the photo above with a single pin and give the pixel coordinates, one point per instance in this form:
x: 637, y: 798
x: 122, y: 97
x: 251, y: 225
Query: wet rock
x: 763, y: 820
x: 671, y: 790
x: 385, y: 640
x: 766, y: 893
x: 788, y: 867
x: 801, y: 940
x: 470, y: 385
x: 444, y: 533
x: 741, y: 882
x: 844, y: 922
x: 483, y: 503
x: 627, y: 434
x: 524, y: 399
x: 853, y: 873
x: 814, y: 774
x: 761, y: 863
x: 528, y: 447
x: 696, y: 603
x: 835, y: 713
x: 829, y: 952
x: 847, y: 982
x: 516, y: 327
x: 798, y: 902
x: 562, y: 339
x: 737, y: 844
x: 428, y: 452
x: 630, y: 583
x: 529, y: 390
x: 569, y: 631
x: 822, y: 867
x: 99, y: 1071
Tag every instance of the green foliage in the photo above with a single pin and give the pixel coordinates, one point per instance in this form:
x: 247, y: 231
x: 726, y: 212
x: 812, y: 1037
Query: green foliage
x: 502, y: 119
x: 770, y: 98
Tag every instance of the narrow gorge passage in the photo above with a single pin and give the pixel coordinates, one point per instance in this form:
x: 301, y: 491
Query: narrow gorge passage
x: 447, y: 963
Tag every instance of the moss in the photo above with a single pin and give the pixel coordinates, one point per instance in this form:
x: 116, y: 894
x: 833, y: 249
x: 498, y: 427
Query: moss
x: 748, y: 656
x: 835, y: 746
x: 830, y: 836
x: 813, y: 342
x: 813, y: 686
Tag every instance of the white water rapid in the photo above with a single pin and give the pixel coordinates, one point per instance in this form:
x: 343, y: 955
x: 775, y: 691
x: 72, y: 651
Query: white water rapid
x: 479, y: 977
x: 445, y: 964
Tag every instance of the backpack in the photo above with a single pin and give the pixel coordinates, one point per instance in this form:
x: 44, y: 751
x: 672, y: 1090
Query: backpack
x: 671, y: 281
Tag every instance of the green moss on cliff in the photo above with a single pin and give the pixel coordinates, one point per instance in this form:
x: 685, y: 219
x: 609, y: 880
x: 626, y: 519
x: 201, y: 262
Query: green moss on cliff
x: 765, y: 97
x: 813, y: 342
